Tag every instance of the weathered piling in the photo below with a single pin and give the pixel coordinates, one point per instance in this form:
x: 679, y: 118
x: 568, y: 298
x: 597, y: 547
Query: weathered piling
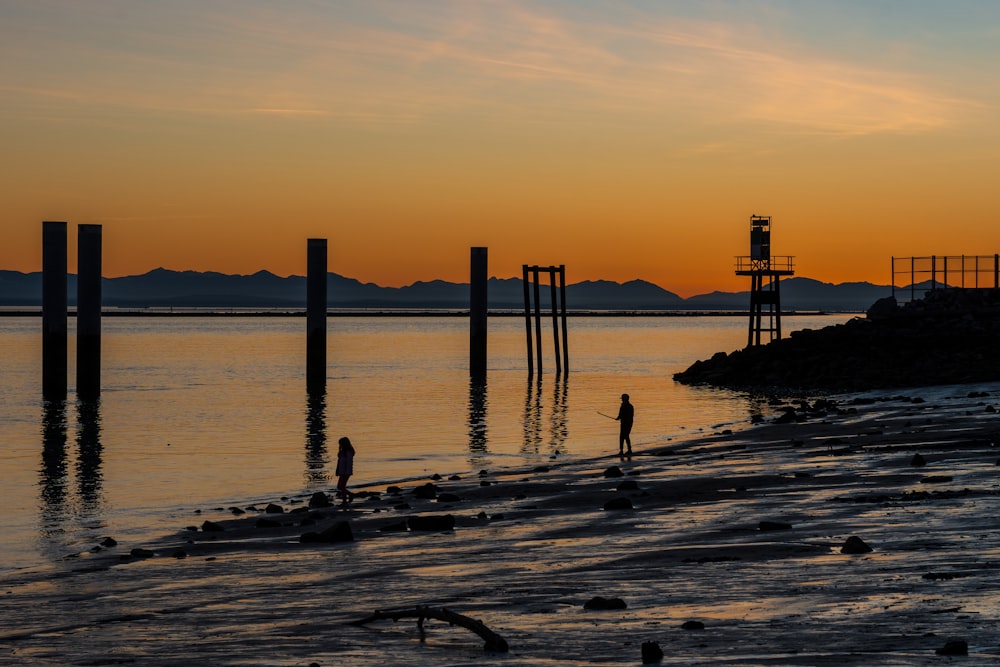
x: 477, y: 312
x: 316, y: 315
x: 527, y: 319
x: 54, y: 329
x: 562, y: 309
x: 88, y: 312
x: 557, y: 298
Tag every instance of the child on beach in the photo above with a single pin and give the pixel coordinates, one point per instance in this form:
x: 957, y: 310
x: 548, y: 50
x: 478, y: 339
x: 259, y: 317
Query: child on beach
x: 345, y: 466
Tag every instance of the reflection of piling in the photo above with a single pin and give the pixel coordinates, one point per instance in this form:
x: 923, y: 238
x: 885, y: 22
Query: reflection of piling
x: 558, y: 304
x: 477, y: 312
x: 88, y: 312
x: 54, y: 335
x: 316, y: 315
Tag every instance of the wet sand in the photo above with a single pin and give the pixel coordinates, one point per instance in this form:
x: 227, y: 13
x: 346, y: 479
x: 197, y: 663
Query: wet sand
x: 531, y: 547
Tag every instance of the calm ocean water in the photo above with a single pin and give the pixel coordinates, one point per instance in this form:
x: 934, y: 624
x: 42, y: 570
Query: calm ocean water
x: 204, y: 412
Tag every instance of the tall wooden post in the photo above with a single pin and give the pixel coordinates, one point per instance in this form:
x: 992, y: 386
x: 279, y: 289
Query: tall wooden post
x: 54, y: 330
x: 538, y: 320
x: 527, y: 319
x: 555, y: 317
x: 316, y: 298
x: 562, y: 303
x: 478, y: 277
x: 88, y: 312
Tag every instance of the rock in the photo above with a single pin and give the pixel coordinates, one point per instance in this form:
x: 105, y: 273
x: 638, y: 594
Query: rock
x: 954, y: 647
x: 427, y: 492
x: 211, y: 527
x: 141, y: 553
x: 948, y: 337
x: 693, y: 625
x: 394, y: 527
x: 108, y: 542
x: 598, y: 603
x: 274, y: 509
x: 179, y: 554
x: 883, y: 308
x: 448, y: 498
x: 620, y: 503
x: 628, y: 485
x: 918, y: 460
x: 855, y: 545
x: 613, y: 471
x: 773, y: 525
x: 431, y: 522
x: 319, y: 499
x: 651, y: 652
x: 264, y: 522
x: 936, y: 479
x: 338, y: 532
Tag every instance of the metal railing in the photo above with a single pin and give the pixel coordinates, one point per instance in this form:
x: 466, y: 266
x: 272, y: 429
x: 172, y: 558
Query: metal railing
x: 778, y: 264
x: 919, y: 275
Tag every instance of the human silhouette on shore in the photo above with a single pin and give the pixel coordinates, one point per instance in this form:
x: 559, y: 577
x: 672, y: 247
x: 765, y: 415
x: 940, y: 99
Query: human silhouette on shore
x: 345, y: 467
x: 626, y: 413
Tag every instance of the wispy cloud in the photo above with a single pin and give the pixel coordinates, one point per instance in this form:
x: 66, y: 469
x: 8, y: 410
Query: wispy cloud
x: 388, y: 62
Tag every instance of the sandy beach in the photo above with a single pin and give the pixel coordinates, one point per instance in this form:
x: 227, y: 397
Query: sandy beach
x: 728, y: 550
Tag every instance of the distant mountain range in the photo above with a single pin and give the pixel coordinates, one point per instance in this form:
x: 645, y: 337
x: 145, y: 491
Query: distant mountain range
x: 162, y: 288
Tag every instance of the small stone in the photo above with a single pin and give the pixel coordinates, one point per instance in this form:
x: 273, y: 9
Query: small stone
x: 598, y: 603
x: 855, y: 545
x: 651, y: 653
x: 432, y: 522
x: 918, y: 460
x: 774, y: 525
x: 620, y: 503
x: 272, y: 508
x: 427, y: 492
x: 141, y: 553
x: 614, y: 471
x: 954, y: 647
x: 693, y: 625
x: 211, y: 527
x: 319, y: 499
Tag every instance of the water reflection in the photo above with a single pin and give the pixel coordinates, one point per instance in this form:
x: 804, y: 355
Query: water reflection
x: 478, y: 441
x: 533, y: 420
x: 89, y: 477
x: 317, y: 459
x: 53, y: 470
x: 54, y: 476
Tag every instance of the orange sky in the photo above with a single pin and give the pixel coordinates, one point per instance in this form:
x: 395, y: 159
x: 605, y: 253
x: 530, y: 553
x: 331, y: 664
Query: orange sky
x: 625, y: 141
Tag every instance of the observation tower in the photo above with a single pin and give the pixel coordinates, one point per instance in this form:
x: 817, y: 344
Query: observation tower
x: 765, y: 295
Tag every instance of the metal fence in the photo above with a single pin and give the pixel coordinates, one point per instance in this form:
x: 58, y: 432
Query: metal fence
x: 913, y: 277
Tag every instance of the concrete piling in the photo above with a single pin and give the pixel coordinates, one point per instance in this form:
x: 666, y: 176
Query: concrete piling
x: 54, y: 315
x: 88, y: 312
x: 316, y: 299
x: 477, y: 312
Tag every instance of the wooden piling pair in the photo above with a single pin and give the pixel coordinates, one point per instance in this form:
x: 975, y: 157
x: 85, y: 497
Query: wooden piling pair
x: 55, y: 311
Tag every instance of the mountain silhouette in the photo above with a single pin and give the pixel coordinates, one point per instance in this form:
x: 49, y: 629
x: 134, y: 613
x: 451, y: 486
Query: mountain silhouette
x: 163, y: 288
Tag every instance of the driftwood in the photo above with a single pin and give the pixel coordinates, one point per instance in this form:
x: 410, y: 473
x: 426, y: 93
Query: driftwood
x: 494, y: 642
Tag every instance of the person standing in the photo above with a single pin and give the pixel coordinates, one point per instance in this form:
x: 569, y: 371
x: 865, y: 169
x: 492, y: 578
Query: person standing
x: 345, y: 466
x: 626, y: 414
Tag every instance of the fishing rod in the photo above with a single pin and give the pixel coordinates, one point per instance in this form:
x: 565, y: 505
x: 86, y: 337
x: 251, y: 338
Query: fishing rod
x: 608, y: 416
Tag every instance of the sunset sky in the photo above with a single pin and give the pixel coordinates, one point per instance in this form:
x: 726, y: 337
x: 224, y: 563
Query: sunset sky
x: 623, y: 139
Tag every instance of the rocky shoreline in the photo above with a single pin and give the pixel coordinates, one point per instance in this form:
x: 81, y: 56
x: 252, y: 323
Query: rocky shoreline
x: 850, y: 530
x: 949, y: 337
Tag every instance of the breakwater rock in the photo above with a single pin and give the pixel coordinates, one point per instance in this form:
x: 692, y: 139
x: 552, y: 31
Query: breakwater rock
x: 951, y: 336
